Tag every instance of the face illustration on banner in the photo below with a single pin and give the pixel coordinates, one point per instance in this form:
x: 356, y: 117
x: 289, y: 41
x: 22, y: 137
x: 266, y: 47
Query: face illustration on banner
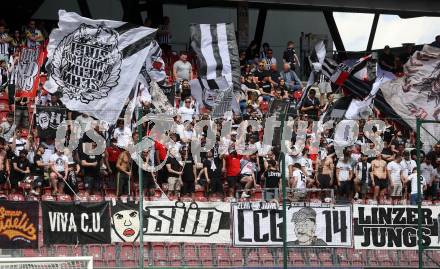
x: 126, y: 224
x: 305, y: 227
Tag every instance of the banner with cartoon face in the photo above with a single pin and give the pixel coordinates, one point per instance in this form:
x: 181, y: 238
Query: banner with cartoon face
x: 18, y: 224
x: 260, y: 224
x: 71, y: 223
x: 171, y: 221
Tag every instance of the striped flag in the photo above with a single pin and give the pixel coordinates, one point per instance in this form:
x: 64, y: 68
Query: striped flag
x: 217, y: 52
x: 94, y: 63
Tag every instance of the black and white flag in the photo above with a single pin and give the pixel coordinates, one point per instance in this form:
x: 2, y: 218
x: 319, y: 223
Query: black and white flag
x: 48, y: 119
x: 94, y: 63
x: 217, y: 52
x: 215, y: 95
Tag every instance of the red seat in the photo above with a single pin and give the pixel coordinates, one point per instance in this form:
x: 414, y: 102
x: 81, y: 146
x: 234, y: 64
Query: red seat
x: 3, y: 95
x: 252, y: 259
x: 95, y: 251
x: 201, y: 199
x: 95, y: 198
x: 64, y: 198
x: 62, y: 250
x: 109, y: 253
x: 222, y: 256
x: 160, y: 257
x: 313, y: 258
x: 28, y: 252
x: 31, y: 198
x: 77, y: 251
x: 82, y: 197
x: 110, y: 197
x: 4, y: 105
x: 190, y: 254
x: 174, y: 252
x: 236, y: 256
x: 266, y: 258
x: 16, y: 197
x: 127, y: 253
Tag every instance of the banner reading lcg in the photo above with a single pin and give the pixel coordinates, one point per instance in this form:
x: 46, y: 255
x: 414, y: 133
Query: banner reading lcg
x: 260, y: 224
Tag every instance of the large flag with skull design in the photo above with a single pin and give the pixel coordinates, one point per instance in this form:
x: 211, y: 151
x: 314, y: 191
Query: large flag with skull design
x: 94, y: 63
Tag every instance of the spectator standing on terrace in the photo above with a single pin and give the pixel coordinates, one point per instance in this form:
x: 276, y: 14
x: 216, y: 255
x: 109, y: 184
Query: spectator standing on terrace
x: 187, y: 111
x: 379, y: 177
x: 362, y: 177
x: 20, y: 169
x: 212, y: 173
x: 414, y: 191
x: 290, y: 57
x: 264, y: 52
x: 5, y: 39
x: 4, y: 162
x: 59, y: 167
x: 164, y: 31
x: 34, y: 37
x: 123, y: 165
x: 408, y: 166
x: 428, y: 173
x: 344, y: 174
x: 7, y: 128
x: 182, y: 69
x: 293, y: 83
x: 16, y: 42
x: 310, y: 105
x: 248, y: 170
x: 189, y: 172
x: 231, y: 167
x: 386, y: 60
x: 38, y: 171
x: 91, y: 165
x: 395, y: 174
x: 436, y: 42
x: 272, y: 181
x: 269, y: 59
x: 18, y: 142
x: 175, y: 171
x: 263, y: 77
x: 298, y: 182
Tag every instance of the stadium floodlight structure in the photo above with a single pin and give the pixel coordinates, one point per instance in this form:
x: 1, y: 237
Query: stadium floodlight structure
x: 78, y: 262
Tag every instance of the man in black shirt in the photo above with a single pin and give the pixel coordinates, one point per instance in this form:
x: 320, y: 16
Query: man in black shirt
x: 263, y: 77
x: 272, y: 181
x: 91, y: 165
x: 189, y: 173
x: 212, y: 173
x: 289, y: 55
x: 38, y: 171
x: 20, y: 169
x: 311, y: 105
x: 174, y: 173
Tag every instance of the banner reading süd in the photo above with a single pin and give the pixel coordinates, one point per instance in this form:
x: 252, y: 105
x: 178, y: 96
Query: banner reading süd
x: 260, y: 224
x: 171, y: 221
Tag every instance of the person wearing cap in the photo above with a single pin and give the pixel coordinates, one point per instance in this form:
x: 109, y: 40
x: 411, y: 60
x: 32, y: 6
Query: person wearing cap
x: 20, y: 169
x: 304, y: 221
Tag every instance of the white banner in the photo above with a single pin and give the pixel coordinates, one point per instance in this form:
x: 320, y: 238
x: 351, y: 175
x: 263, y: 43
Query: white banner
x: 94, y: 63
x: 394, y: 227
x: 171, y: 221
x: 260, y: 224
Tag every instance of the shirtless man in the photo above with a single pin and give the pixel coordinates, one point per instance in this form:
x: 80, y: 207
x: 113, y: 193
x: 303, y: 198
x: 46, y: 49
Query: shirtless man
x: 123, y: 166
x: 379, y: 176
x: 4, y: 162
x: 325, y: 178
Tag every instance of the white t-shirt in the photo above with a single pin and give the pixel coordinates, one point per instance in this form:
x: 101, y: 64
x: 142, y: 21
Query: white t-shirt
x: 408, y: 166
x: 122, y: 136
x: 344, y: 170
x: 20, y: 144
x: 427, y: 172
x: 307, y: 163
x: 413, y: 179
x: 247, y: 167
x: 394, y: 169
x: 186, y: 113
x: 300, y: 179
x: 59, y: 161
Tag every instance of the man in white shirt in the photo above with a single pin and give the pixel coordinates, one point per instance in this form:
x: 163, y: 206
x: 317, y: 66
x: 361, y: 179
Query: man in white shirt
x: 344, y: 173
x: 427, y: 171
x: 186, y: 111
x: 122, y: 134
x: 412, y: 179
x: 34, y: 37
x: 307, y: 168
x: 408, y: 166
x: 395, y: 174
x: 18, y: 143
x: 182, y: 69
x: 298, y: 182
x: 58, y: 163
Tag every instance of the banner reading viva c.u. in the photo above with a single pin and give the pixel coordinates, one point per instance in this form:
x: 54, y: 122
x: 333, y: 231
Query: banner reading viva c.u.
x: 260, y: 224
x: 18, y: 224
x: 171, y: 221
x: 70, y: 223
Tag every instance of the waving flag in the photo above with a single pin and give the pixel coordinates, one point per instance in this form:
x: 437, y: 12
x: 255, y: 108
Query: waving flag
x: 417, y: 93
x: 94, y: 63
x: 27, y: 71
x: 217, y: 52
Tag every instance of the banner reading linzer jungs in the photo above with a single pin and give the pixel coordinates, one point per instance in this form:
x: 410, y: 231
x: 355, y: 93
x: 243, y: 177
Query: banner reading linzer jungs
x: 171, y: 221
x: 260, y: 224
x: 18, y: 224
x: 394, y: 226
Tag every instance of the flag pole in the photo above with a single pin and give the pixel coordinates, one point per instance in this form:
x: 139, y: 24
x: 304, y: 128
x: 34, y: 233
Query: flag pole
x: 141, y: 194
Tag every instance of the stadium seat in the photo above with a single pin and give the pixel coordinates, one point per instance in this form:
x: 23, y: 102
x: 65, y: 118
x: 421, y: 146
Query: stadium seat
x: 95, y: 251
x: 110, y: 197
x: 190, y: 255
x: 252, y: 258
x: 82, y: 197
x: 236, y: 256
x: 16, y: 197
x: 32, y: 198
x: 295, y: 257
x: 28, y: 252
x: 95, y: 198
x: 205, y: 251
x: 64, y: 198
x: 201, y: 199
x: 223, y: 259
x: 325, y: 258
x: 77, y: 251
x: 4, y: 105
x: 127, y: 256
x: 62, y: 250
x: 3, y: 95
x: 160, y: 257
x: 174, y: 254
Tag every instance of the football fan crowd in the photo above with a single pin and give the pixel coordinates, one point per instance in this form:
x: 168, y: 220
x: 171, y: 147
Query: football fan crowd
x: 33, y: 168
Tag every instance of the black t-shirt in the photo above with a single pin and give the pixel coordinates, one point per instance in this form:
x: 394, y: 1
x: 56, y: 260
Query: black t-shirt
x: 313, y: 113
x: 175, y: 165
x: 91, y: 170
x: 212, y: 173
x: 38, y: 171
x: 387, y: 151
x: 261, y: 74
x: 289, y: 55
x: 250, y: 85
x: 188, y: 172
x: 275, y: 76
x: 22, y: 163
x: 272, y: 178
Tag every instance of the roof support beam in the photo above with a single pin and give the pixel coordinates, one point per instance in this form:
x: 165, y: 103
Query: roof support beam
x: 333, y: 28
x: 373, y: 31
x: 259, y: 29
